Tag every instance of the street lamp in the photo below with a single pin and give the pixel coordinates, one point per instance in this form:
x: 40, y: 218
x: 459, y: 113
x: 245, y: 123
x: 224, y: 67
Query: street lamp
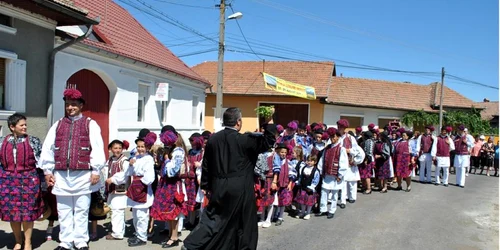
x: 220, y: 65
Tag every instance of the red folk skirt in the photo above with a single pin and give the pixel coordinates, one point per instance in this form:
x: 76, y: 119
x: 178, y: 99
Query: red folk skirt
x: 20, y: 196
x: 165, y: 205
x: 365, y: 170
x: 191, y: 193
x: 304, y: 198
x: 402, y: 165
x: 268, y: 195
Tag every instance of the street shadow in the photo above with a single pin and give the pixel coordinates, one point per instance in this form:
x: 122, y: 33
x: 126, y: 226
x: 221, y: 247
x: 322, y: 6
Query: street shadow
x: 8, y: 241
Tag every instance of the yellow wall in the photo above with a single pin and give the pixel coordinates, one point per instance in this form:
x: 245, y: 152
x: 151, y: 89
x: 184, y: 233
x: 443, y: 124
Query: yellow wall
x: 247, y: 104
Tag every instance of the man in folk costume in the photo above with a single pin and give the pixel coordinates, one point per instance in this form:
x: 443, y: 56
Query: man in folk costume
x: 230, y: 219
x: 463, y: 146
x: 72, y: 158
x: 441, y: 154
x: 425, y: 145
x: 359, y: 130
x: 356, y: 156
x: 333, y: 165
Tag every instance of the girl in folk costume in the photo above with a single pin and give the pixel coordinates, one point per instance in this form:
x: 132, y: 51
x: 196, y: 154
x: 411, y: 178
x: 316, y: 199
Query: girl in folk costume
x: 302, y: 138
x: 117, y: 198
x: 170, y: 202
x: 261, y: 170
x: 19, y: 180
x: 296, y: 162
x: 332, y: 165
x: 318, y: 143
x: 195, y: 157
x: 403, y: 162
x: 382, y: 152
x: 289, y: 137
x: 462, y: 155
x: 367, y: 166
x: 308, y: 179
x: 283, y: 179
x: 425, y: 144
x: 356, y: 156
x: 139, y: 193
x: 441, y: 154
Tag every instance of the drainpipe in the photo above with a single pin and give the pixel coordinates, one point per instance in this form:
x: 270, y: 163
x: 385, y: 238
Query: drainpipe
x: 50, y: 111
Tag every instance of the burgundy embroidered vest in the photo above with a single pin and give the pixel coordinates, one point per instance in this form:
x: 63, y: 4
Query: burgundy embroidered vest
x: 270, y: 173
x: 426, y: 144
x: 25, y: 157
x: 461, y: 147
x: 191, y: 173
x: 72, y: 144
x: 346, y: 143
x: 402, y: 148
x: 443, y: 149
x: 113, y: 168
x: 314, y: 151
x: 331, y: 161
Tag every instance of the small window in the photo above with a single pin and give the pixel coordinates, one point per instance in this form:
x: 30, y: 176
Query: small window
x: 143, y: 94
x: 5, y: 20
x: 354, y: 121
x: 194, y: 112
x: 163, y: 111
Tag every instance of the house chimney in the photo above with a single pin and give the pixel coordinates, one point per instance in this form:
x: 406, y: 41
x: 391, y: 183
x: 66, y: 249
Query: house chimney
x: 486, y: 100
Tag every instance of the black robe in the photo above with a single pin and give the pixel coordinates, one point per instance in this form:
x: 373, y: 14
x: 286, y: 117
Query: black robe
x: 230, y: 219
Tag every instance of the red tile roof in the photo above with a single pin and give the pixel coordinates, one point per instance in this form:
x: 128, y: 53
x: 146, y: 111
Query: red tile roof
x: 490, y: 109
x: 71, y: 4
x: 244, y: 78
x: 125, y: 36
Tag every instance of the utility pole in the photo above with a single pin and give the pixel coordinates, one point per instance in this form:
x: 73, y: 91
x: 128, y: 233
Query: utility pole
x: 441, y: 100
x: 220, y: 67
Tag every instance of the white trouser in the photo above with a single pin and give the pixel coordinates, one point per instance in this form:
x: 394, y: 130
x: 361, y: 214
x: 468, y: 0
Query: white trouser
x: 118, y: 223
x: 425, y: 166
x: 73, y: 212
x: 141, y: 222
x: 461, y: 171
x: 324, y: 201
x: 446, y: 171
x: 352, y: 190
x: 343, y: 193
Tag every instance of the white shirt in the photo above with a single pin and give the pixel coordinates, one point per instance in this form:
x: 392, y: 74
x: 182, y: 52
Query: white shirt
x: 330, y: 181
x: 74, y: 182
x: 118, y: 201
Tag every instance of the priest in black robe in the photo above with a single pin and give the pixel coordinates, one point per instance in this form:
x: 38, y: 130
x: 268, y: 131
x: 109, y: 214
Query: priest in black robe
x: 230, y: 219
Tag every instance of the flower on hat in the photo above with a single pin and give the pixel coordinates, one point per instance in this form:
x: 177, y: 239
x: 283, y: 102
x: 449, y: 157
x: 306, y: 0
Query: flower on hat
x: 280, y: 128
x: 126, y: 144
x: 72, y: 94
x: 308, y: 128
x: 359, y: 129
x: 461, y: 127
x: 371, y: 126
x: 168, y: 138
x: 401, y: 130
x: 430, y: 127
x: 325, y: 136
x: 331, y: 131
x: 343, y: 123
x: 150, y: 139
x: 292, y: 125
x: 449, y: 129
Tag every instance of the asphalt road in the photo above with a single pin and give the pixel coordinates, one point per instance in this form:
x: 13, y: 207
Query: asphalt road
x: 429, y: 217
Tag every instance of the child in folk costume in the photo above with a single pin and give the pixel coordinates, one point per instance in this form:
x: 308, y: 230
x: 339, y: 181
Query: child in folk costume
x: 425, y: 145
x: 302, y: 138
x: 366, y: 167
x: 283, y: 179
x: 332, y: 165
x: 117, y: 199
x: 195, y: 156
x: 296, y: 162
x: 441, y: 153
x: 382, y: 152
x: 289, y: 137
x: 462, y: 155
x: 356, y: 156
x: 170, y: 202
x: 139, y: 193
x: 201, y: 197
x: 308, y: 179
x: 261, y: 171
x: 403, y: 161
x: 318, y: 143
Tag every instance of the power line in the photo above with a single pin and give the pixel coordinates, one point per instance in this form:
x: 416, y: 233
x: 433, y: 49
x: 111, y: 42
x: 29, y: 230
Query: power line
x: 198, y: 52
x: 470, y: 81
x: 184, y: 5
x: 242, y: 34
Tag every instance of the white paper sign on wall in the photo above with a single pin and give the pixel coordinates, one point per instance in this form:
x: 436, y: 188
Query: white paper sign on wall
x: 161, y: 91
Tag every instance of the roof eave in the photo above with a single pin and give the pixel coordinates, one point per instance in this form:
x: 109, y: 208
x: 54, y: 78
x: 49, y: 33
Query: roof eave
x: 79, y: 16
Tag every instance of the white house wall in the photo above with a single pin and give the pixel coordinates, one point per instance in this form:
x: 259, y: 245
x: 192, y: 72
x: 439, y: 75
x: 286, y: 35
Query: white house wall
x: 332, y: 114
x: 123, y: 81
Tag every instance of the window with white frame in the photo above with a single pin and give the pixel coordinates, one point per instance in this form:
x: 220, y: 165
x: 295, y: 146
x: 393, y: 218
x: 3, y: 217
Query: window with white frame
x: 354, y: 120
x: 194, y: 110
x: 12, y: 82
x: 163, y: 111
x: 6, y: 24
x: 143, y: 94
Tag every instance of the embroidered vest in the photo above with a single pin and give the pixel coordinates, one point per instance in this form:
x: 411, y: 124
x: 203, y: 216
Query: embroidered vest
x: 402, y: 148
x: 25, y: 157
x: 461, y: 147
x: 191, y: 173
x: 72, y: 145
x: 331, y: 160
x: 113, y: 168
x: 347, y: 143
x: 137, y: 191
x: 306, y: 180
x: 443, y: 149
x: 426, y: 144
x: 270, y: 173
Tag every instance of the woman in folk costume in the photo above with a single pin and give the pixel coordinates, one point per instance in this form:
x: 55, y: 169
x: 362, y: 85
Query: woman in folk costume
x: 462, y: 155
x: 117, y: 199
x: 441, y: 154
x: 356, y: 156
x: 139, y: 193
x: 284, y: 177
x: 20, y: 187
x: 170, y: 202
x: 382, y: 152
x: 488, y: 155
x: 403, y: 161
x: 302, y: 138
x: 367, y: 166
x: 289, y: 136
x: 333, y: 165
x: 425, y: 145
x: 308, y: 179
x: 195, y: 157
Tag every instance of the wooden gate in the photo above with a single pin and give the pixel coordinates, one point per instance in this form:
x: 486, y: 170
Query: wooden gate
x: 96, y: 95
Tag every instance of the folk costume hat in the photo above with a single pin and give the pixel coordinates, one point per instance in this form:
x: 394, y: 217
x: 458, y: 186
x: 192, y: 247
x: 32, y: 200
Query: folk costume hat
x: 73, y: 94
x: 168, y: 138
x: 331, y: 132
x: 142, y: 133
x: 461, y: 127
x: 280, y: 128
x: 149, y: 140
x: 342, y: 123
x: 281, y: 145
x: 430, y: 127
x: 359, y: 129
x: 197, y: 140
x: 206, y: 134
x: 303, y: 126
x: 292, y: 125
x: 168, y: 128
x: 449, y: 129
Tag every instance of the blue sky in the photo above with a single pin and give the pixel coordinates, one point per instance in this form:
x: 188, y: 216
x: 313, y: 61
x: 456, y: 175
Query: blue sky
x: 416, y: 36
